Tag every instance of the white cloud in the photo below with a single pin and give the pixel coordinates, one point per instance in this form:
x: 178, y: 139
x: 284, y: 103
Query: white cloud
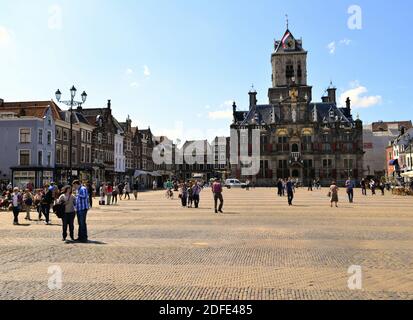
x: 225, y: 111
x: 345, y: 42
x: 359, y: 98
x: 55, y: 21
x: 332, y: 47
x: 135, y: 85
x: 146, y: 71
x: 5, y: 37
x: 129, y: 71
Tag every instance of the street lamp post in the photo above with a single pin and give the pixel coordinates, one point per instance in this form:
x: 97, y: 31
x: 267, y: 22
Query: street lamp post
x: 71, y: 103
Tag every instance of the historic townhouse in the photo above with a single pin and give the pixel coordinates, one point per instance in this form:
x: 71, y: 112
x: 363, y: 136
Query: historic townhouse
x: 27, y: 131
x: 103, y: 141
x: 299, y: 138
x: 128, y: 148
x: 81, y: 147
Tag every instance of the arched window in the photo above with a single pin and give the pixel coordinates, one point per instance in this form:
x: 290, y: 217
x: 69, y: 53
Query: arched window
x: 289, y: 70
x: 299, y: 71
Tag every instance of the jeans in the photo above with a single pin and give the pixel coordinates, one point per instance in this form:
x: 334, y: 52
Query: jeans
x: 46, y: 211
x: 108, y: 198
x: 196, y: 200
x: 81, y: 219
x: 16, y: 211
x: 218, y: 196
x: 68, y: 221
x: 114, y: 199
x: 290, y: 197
x: 350, y: 193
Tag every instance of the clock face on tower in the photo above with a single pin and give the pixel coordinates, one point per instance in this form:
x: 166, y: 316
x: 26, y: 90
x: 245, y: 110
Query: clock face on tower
x: 291, y: 43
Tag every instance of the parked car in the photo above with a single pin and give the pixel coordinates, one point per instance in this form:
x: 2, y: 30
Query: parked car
x: 234, y: 183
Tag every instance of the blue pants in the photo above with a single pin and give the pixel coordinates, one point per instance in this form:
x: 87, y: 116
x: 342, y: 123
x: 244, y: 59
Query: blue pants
x: 81, y: 219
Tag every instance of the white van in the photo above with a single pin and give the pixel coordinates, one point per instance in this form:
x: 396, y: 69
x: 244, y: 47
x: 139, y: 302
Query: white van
x: 234, y: 183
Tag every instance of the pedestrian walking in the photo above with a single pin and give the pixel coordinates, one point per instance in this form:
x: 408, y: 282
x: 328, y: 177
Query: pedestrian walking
x: 363, y: 185
x: 334, y: 194
x: 90, y: 190
x: 115, y: 193
x: 16, y: 203
x: 136, y: 189
x: 373, y: 187
x: 290, y: 191
x: 196, y: 191
x: 190, y: 196
x: 37, y: 203
x: 28, y: 203
x: 183, y: 194
x: 109, y: 193
x: 46, y: 202
x: 310, y: 185
x: 67, y: 201
x: 217, y: 192
x: 280, y: 187
x: 350, y: 190
x: 82, y: 207
x: 127, y: 190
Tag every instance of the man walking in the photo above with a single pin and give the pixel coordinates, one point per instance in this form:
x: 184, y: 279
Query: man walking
x: 290, y: 191
x: 82, y: 207
x: 217, y: 191
x: 17, y: 202
x: 350, y: 190
x: 280, y: 188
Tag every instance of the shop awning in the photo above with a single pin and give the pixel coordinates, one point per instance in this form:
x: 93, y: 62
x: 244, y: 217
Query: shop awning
x: 139, y: 173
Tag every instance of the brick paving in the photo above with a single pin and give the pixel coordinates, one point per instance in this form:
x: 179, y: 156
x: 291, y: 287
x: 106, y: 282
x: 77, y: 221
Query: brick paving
x: 259, y: 249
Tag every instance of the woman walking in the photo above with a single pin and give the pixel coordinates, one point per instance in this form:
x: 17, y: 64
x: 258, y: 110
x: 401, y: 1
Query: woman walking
x: 67, y: 200
x: 115, y: 195
x: 184, y: 194
x: 28, y: 203
x: 109, y: 192
x: 334, y: 194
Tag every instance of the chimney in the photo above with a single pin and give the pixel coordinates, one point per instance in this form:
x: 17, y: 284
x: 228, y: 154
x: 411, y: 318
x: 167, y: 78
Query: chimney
x: 332, y: 94
x: 253, y: 99
x: 109, y: 104
x: 1, y: 102
x: 325, y: 99
x: 348, y: 106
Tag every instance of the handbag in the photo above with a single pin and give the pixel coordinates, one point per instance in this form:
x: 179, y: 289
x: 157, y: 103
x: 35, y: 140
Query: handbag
x: 329, y: 194
x: 59, y: 210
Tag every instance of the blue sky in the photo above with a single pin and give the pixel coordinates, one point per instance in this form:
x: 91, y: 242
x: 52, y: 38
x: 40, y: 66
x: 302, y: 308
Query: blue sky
x: 176, y: 65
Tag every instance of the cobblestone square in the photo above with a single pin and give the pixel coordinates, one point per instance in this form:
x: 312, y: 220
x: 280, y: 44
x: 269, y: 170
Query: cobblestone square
x: 258, y: 249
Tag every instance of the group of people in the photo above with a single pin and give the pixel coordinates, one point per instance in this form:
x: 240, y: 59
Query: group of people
x: 190, y: 191
x: 110, y: 192
x: 67, y: 202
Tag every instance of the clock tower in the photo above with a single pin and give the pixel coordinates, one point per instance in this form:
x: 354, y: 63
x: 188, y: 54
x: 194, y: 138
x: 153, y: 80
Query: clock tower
x: 289, y: 77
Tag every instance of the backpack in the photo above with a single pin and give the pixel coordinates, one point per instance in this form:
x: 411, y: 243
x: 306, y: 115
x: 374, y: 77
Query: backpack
x: 29, y: 202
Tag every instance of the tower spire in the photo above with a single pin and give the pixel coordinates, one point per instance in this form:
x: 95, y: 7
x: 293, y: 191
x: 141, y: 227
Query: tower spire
x: 287, y: 21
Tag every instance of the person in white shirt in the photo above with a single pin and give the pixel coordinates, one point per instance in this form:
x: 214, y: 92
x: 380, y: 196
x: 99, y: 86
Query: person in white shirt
x: 17, y: 201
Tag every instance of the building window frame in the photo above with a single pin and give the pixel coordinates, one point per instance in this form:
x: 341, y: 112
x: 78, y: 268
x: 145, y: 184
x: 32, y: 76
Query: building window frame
x: 27, y: 136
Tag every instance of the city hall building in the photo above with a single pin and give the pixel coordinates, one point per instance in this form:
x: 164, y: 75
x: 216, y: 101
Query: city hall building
x: 299, y: 138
